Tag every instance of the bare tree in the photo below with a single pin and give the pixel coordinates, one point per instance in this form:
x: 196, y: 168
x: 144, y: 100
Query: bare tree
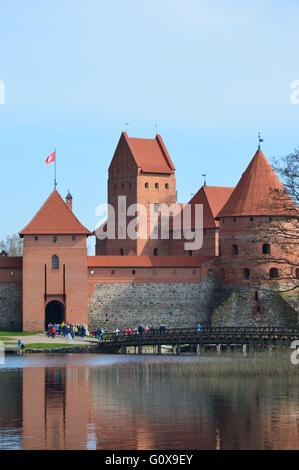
x: 13, y: 245
x: 287, y: 168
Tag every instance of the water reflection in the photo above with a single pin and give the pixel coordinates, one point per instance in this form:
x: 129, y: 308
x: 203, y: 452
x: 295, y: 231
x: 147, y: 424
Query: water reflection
x: 133, y: 405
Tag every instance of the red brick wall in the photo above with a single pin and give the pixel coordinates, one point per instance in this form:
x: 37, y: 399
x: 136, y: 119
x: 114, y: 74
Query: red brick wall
x: 249, y: 236
x: 38, y: 253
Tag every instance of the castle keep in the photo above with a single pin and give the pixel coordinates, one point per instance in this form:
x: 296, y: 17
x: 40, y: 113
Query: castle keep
x: 245, y: 273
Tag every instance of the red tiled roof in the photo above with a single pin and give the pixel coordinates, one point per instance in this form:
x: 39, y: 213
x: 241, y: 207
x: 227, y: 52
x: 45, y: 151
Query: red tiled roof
x: 146, y: 261
x: 150, y: 154
x: 11, y: 262
x: 259, y: 192
x: 54, y: 217
x: 213, y: 199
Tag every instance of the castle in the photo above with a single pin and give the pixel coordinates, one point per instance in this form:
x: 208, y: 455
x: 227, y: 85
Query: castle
x: 245, y: 273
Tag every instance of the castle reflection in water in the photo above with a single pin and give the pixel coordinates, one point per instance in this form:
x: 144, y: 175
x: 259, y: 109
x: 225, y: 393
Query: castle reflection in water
x: 136, y: 407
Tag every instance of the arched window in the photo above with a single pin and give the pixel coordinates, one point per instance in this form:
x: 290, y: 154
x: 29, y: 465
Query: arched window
x: 146, y: 185
x: 235, y: 250
x: 157, y: 185
x: 273, y: 273
x: 55, y: 262
x: 297, y: 273
x: 266, y: 249
x: 246, y: 273
x: 166, y: 186
x: 156, y: 252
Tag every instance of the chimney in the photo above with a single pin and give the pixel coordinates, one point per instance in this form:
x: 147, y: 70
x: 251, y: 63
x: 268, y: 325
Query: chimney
x: 69, y: 200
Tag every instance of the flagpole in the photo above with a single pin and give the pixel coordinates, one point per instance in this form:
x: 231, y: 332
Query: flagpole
x: 55, y: 182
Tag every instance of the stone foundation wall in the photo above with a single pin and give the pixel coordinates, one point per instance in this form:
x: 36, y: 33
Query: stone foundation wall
x: 238, y: 306
x: 10, y: 307
x: 176, y: 305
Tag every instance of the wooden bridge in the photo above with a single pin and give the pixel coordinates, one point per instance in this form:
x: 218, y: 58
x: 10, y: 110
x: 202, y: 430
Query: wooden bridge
x: 189, y: 338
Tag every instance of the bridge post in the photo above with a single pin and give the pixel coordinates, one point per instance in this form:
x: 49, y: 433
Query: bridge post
x: 218, y: 348
x: 198, y: 349
x: 140, y: 349
x: 244, y: 349
x: 159, y: 347
x: 178, y: 349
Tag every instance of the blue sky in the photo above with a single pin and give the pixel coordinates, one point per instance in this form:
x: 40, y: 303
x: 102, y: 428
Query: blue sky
x: 211, y: 74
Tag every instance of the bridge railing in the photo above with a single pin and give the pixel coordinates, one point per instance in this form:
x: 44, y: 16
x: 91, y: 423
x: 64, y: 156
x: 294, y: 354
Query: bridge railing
x: 209, y: 333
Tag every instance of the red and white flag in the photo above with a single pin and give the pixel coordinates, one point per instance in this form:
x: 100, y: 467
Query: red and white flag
x: 50, y: 158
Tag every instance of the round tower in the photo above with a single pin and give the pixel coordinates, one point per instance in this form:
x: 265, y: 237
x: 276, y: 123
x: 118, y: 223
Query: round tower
x: 258, y: 230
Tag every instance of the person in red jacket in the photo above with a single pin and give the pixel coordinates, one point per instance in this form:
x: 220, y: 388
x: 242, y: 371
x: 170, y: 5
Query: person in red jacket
x: 53, y: 331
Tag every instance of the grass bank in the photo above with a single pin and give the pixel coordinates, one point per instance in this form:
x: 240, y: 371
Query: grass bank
x: 59, y: 347
x: 5, y: 333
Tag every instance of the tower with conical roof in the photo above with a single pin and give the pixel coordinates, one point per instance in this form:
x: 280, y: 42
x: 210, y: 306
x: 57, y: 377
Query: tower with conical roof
x: 256, y: 227
x: 54, y: 267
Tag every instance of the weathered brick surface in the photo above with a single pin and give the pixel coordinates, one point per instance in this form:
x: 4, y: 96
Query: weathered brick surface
x: 177, y: 305
x: 10, y: 306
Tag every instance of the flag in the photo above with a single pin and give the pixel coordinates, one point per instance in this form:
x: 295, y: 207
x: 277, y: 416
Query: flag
x: 50, y: 158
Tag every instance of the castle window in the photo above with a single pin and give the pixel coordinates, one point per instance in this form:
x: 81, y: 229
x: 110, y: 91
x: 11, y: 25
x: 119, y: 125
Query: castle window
x: 256, y: 296
x: 92, y: 272
x: 273, y: 273
x: 55, y: 262
x: 36, y: 238
x: 121, y: 252
x: 235, y: 250
x: 112, y: 272
x: 156, y: 252
x: 157, y: 185
x: 266, y: 249
x: 234, y: 219
x: 246, y: 273
x: 193, y: 271
x: 74, y: 238
x: 146, y: 185
x: 133, y: 271
x: 55, y: 238
x: 297, y: 273
x: 156, y: 206
x: 166, y: 186
x: 210, y: 273
x: 251, y: 219
x: 270, y: 219
x: 190, y: 252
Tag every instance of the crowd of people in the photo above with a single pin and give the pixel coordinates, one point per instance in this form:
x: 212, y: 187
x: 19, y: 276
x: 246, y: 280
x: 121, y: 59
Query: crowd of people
x: 81, y: 331
x: 67, y: 330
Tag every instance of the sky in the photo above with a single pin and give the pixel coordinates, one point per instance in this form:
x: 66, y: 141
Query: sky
x: 210, y: 74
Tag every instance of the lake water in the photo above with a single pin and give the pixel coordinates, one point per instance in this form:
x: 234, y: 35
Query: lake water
x: 126, y: 402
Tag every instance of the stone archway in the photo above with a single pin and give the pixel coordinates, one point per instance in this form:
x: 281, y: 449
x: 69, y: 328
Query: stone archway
x: 55, y: 313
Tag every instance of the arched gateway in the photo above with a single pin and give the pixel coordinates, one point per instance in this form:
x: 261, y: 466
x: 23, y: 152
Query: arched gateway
x: 55, y: 313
